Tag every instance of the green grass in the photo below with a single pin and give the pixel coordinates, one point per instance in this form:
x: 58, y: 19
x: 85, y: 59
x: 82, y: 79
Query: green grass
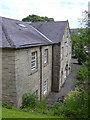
x: 16, y: 113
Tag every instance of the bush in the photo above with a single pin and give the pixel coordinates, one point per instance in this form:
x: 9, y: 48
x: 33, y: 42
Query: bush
x: 6, y: 105
x: 74, y: 106
x: 82, y: 75
x: 29, y: 100
x: 41, y: 106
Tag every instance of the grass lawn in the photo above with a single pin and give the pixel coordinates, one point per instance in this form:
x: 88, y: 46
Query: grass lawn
x: 15, y: 113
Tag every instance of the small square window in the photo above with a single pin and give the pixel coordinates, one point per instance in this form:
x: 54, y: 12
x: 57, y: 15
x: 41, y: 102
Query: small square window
x: 34, y: 60
x: 45, y: 87
x: 46, y: 56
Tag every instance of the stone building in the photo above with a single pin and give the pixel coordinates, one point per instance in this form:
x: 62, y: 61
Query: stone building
x: 36, y: 58
x: 59, y: 33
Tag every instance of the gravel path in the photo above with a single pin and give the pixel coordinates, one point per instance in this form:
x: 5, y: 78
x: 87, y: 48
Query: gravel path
x: 67, y: 87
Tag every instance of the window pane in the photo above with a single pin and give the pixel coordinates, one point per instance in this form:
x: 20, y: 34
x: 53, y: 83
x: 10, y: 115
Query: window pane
x: 34, y: 60
x: 45, y: 87
x: 46, y: 56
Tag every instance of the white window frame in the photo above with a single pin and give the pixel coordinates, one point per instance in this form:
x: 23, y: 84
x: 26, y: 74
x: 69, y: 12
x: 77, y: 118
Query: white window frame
x: 45, y: 86
x: 46, y: 56
x: 34, y: 60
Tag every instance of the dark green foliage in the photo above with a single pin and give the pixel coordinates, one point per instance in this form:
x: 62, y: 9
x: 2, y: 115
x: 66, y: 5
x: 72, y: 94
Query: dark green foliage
x: 47, y: 19
x: 36, y: 18
x: 31, y: 103
x: 29, y: 100
x: 8, y: 106
x: 82, y: 76
x: 76, y: 104
x: 87, y: 63
x: 42, y: 104
x: 41, y: 107
x: 79, y: 41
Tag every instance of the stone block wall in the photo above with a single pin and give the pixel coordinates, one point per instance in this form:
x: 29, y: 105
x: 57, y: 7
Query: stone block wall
x: 47, y: 70
x: 17, y: 76
x: 27, y: 80
x: 55, y: 67
x: 65, y: 57
x: 9, y: 93
x: 0, y: 74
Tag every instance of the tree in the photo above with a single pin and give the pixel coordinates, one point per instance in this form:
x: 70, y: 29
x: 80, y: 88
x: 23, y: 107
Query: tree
x: 84, y: 19
x: 81, y: 39
x: 36, y: 18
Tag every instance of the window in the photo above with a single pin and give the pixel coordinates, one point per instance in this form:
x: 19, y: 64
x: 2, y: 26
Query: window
x: 36, y: 92
x: 46, y: 56
x: 45, y: 87
x: 34, y: 60
x: 65, y: 74
x: 66, y: 50
x: 21, y: 25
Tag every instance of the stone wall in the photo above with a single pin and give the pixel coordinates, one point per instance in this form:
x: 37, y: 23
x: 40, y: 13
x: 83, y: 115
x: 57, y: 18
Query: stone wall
x: 55, y: 67
x: 61, y: 61
x: 65, y: 57
x: 9, y: 94
x: 27, y: 80
x: 47, y: 70
x: 17, y: 76
x: 0, y: 74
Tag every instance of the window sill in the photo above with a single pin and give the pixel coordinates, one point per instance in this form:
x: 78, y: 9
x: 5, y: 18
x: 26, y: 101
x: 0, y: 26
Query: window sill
x: 33, y: 71
x: 45, y: 64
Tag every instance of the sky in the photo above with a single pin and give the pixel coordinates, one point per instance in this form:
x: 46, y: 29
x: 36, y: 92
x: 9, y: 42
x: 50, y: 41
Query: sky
x: 60, y: 10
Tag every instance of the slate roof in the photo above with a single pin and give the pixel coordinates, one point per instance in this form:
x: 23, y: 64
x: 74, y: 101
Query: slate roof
x: 53, y: 30
x: 18, y: 34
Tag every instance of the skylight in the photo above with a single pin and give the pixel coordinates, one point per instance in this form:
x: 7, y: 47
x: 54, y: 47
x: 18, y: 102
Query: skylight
x: 21, y: 25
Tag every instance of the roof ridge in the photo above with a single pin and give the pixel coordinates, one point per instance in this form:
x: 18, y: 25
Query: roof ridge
x: 50, y: 22
x: 8, y: 37
x: 11, y: 19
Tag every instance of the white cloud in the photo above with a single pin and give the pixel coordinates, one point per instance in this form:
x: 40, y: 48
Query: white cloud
x: 57, y: 9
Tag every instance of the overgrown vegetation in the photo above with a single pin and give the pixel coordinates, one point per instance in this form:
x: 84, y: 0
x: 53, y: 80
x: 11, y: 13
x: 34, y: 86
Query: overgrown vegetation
x: 29, y: 100
x: 75, y: 105
x: 82, y: 76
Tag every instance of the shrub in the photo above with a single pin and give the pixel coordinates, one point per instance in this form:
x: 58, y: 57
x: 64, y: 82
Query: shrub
x: 29, y: 100
x: 74, y: 106
x: 41, y: 106
x: 82, y: 75
x: 6, y: 105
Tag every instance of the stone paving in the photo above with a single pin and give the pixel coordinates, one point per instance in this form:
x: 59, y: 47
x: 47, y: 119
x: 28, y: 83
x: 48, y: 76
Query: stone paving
x: 66, y: 88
